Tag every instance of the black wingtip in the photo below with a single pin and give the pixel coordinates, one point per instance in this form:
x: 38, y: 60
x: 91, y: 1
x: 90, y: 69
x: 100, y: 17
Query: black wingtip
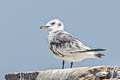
x: 99, y: 49
x: 99, y: 55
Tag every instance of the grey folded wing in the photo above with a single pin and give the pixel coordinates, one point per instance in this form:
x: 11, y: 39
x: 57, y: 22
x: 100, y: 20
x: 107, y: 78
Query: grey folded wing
x: 64, y: 44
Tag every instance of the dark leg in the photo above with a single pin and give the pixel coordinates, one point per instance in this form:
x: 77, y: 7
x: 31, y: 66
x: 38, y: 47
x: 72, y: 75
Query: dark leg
x: 71, y: 64
x: 63, y: 64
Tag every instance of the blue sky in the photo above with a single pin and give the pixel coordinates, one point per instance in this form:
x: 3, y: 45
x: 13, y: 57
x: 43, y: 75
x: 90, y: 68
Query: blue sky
x: 24, y: 47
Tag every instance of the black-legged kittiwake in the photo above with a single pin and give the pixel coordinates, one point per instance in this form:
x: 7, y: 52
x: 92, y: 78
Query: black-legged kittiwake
x: 65, y: 47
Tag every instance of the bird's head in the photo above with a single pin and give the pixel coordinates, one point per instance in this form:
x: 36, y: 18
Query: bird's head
x: 54, y: 25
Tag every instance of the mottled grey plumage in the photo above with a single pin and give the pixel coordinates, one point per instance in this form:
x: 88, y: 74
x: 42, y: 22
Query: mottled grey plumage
x: 63, y: 42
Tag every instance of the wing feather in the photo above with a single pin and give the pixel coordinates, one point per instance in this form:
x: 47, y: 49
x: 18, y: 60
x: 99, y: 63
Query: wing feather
x: 63, y: 43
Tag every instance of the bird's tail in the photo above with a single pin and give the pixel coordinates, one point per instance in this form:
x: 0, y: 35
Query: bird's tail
x: 99, y: 55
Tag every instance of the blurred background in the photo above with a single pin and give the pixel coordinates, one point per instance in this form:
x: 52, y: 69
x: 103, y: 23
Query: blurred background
x: 24, y: 47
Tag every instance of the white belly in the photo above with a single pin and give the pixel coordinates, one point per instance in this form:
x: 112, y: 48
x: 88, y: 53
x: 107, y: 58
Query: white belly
x: 77, y: 57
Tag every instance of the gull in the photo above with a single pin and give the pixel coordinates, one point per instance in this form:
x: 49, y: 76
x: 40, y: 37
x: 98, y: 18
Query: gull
x: 65, y: 47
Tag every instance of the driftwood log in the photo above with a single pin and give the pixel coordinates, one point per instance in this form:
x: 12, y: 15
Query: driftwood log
x: 81, y: 73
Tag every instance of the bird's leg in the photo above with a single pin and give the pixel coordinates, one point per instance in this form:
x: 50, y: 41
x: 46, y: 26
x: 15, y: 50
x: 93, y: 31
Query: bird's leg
x: 71, y: 65
x: 63, y: 64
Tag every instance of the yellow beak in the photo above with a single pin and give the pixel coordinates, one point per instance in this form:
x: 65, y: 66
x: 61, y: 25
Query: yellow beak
x: 44, y: 27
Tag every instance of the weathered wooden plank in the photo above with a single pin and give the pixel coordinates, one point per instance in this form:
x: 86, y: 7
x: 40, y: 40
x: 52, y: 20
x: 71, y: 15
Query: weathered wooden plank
x: 82, y: 73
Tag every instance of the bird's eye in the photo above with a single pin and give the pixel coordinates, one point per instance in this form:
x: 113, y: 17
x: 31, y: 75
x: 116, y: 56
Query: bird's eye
x: 59, y: 24
x: 52, y: 23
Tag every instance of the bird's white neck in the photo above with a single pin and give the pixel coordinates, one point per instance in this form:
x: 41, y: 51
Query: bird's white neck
x: 54, y: 30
